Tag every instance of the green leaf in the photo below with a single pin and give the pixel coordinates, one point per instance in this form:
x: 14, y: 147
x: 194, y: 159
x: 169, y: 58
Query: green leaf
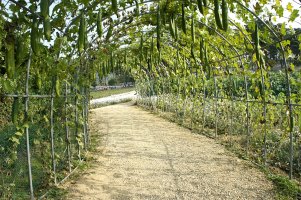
x: 294, y: 15
x: 280, y: 11
x: 18, y: 133
x: 289, y: 7
x: 15, y: 140
x: 283, y: 30
x: 25, y: 125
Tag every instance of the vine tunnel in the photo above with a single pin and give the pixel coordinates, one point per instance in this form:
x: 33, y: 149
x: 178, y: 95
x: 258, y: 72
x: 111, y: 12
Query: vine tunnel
x: 226, y: 68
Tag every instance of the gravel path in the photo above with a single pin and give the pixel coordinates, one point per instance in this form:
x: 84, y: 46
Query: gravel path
x: 114, y: 98
x: 142, y: 156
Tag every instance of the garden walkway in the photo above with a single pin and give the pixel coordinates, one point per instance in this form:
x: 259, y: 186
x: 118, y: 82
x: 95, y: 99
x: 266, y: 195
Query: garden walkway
x: 142, y: 156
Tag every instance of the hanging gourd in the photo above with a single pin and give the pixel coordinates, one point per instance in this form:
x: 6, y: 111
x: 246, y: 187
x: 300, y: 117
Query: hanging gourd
x: 200, y: 6
x: 99, y: 24
x: 44, y: 6
x: 34, y: 36
x: 217, y: 15
x: 225, y: 15
x: 110, y: 30
x: 183, y: 19
x: 192, y: 29
x: 257, y: 47
x: 114, y: 6
x: 10, y: 58
x: 158, y: 28
x: 81, y: 34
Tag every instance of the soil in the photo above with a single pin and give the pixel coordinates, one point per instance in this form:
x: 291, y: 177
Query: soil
x: 142, y: 156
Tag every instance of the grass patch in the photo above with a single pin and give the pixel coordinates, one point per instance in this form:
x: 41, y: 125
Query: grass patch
x: 286, y: 188
x: 106, y: 93
x: 56, y: 193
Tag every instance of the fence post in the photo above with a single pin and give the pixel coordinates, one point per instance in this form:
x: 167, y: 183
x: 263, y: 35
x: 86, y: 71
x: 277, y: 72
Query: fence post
x: 216, y: 106
x: 84, y: 119
x: 27, y: 128
x: 67, y: 127
x: 204, y: 102
x: 248, y: 115
x: 52, y: 132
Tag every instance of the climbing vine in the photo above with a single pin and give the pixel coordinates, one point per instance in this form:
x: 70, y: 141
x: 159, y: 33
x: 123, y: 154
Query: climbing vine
x: 226, y: 65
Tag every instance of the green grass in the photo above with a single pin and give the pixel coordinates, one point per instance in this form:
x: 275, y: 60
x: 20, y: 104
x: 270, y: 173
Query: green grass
x: 286, y: 189
x: 106, y: 93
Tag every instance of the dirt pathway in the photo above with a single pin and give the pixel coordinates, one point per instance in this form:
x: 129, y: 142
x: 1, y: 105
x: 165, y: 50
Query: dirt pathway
x: 142, y: 156
x: 114, y: 98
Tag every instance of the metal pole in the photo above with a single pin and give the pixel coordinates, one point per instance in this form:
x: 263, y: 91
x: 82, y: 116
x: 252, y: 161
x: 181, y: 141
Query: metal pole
x: 76, y: 127
x: 192, y: 109
x: 178, y: 96
x: 204, y: 103
x: 27, y: 128
x: 67, y: 128
x: 84, y: 119
x: 248, y: 115
x: 264, y: 116
x: 87, y: 116
x: 216, y: 106
x: 52, y: 133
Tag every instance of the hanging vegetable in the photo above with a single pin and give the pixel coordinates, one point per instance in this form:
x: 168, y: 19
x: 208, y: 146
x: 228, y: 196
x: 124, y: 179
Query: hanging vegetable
x: 21, y: 51
x: 34, y: 36
x: 202, y: 50
x: 158, y: 28
x: 152, y: 46
x: 112, y: 62
x: 110, y: 30
x: 192, y: 29
x: 257, y: 47
x: 137, y: 10
x: 217, y: 15
x: 141, y: 48
x: 57, y: 87
x: 200, y: 6
x: 82, y: 34
x: 183, y: 19
x: 44, y: 6
x: 47, y: 28
x: 225, y: 15
x: 192, y: 52
x: 176, y: 32
x: 172, y: 26
x: 10, y: 58
x: 207, y: 66
x: 99, y: 24
x: 38, y: 80
x: 125, y: 60
x: 114, y: 6
x: 15, y: 110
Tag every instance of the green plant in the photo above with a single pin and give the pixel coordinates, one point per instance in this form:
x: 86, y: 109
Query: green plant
x: 286, y: 188
x: 112, y: 82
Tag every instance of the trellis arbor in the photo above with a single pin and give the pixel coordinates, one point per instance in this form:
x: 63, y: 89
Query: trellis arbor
x: 226, y: 68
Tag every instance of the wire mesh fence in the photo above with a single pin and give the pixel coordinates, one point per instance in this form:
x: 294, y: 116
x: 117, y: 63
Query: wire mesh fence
x: 252, y: 128
x: 57, y: 139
